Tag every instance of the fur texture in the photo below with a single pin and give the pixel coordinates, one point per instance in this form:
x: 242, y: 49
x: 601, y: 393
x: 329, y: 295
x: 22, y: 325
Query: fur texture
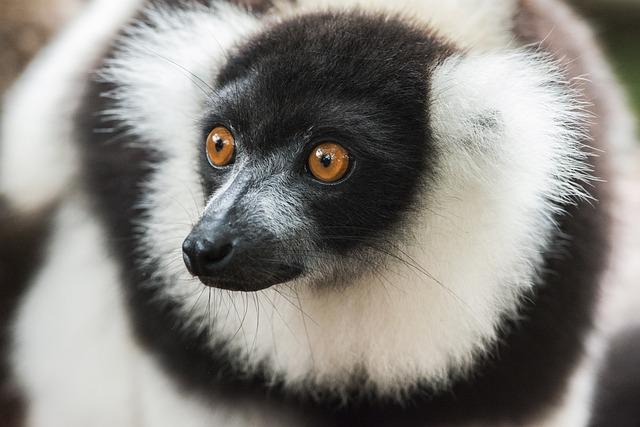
x: 471, y: 231
x: 473, y: 160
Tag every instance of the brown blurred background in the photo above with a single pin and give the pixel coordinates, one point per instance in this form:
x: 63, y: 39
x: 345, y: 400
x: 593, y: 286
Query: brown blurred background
x: 25, y: 25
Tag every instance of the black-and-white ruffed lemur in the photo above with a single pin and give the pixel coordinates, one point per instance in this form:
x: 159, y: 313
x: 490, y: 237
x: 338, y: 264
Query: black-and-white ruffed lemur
x: 317, y: 213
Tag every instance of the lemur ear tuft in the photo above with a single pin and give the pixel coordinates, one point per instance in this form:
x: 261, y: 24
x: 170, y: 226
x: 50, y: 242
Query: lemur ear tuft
x: 511, y: 112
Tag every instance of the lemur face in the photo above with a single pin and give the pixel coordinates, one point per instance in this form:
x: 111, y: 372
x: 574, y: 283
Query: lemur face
x: 312, y: 157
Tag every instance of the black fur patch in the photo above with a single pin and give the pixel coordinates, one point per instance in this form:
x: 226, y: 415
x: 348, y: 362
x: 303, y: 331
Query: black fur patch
x: 379, y: 66
x: 617, y: 402
x: 21, y: 249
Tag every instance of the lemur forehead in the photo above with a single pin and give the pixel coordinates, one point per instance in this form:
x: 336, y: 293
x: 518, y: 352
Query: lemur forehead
x: 351, y: 72
x: 351, y: 44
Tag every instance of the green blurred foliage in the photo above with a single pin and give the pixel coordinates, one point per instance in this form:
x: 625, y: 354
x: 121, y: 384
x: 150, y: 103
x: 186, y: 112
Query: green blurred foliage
x: 625, y: 54
x: 619, y: 30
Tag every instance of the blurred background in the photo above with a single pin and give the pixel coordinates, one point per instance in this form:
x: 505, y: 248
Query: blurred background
x: 617, y: 22
x: 25, y: 25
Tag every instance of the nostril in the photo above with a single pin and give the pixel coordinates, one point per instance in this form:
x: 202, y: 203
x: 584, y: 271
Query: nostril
x: 217, y: 253
x: 213, y: 256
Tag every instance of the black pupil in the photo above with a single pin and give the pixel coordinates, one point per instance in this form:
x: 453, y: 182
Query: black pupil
x: 326, y: 160
x: 219, y: 143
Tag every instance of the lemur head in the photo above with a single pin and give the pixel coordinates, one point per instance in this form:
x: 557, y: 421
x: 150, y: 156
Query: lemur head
x: 355, y: 193
x: 315, y: 146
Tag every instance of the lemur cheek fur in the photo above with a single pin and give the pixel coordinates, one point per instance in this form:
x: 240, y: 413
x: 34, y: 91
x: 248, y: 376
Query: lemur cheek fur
x: 314, y: 213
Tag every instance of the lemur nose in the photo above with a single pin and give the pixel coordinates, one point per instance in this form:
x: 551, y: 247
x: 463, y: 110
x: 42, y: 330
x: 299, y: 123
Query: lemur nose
x: 206, y: 257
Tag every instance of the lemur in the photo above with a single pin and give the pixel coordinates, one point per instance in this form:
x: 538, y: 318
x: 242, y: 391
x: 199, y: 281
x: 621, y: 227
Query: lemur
x: 331, y: 213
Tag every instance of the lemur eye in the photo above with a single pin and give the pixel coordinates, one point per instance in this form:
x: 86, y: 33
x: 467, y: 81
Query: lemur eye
x: 220, y: 146
x: 328, y: 162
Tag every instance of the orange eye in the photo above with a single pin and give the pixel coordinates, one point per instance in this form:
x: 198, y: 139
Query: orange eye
x: 220, y: 146
x: 328, y: 162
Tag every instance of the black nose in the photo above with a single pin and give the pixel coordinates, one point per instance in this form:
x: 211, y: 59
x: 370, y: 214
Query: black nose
x: 206, y: 257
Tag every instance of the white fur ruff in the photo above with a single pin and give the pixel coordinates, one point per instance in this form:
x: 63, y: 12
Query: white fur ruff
x: 512, y: 155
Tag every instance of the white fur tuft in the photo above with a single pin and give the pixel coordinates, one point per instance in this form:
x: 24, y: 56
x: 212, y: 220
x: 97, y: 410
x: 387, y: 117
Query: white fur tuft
x: 514, y: 111
x: 477, y: 25
x: 165, y: 65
